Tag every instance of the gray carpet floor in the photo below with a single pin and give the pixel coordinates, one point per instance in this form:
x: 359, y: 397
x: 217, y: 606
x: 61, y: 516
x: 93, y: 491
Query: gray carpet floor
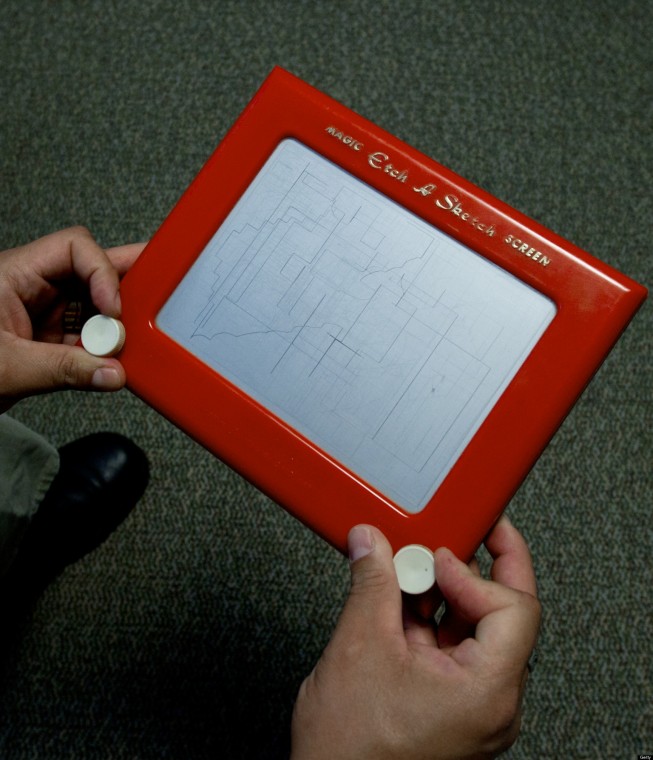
x: 210, y: 604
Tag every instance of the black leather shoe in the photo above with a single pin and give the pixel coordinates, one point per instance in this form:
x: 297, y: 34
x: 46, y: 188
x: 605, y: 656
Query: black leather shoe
x: 101, y: 478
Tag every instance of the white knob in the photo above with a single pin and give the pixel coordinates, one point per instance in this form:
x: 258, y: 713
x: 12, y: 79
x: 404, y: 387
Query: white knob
x: 103, y: 336
x: 415, y: 568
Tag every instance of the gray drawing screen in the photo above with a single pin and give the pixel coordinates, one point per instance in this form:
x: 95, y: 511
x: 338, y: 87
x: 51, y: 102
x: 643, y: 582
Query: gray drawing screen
x: 378, y: 337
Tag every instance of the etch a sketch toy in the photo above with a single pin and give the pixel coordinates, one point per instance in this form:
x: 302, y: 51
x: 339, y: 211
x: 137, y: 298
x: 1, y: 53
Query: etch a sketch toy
x: 360, y: 332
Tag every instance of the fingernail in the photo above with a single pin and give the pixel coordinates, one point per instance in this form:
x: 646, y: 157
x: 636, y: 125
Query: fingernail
x: 360, y: 542
x: 106, y: 379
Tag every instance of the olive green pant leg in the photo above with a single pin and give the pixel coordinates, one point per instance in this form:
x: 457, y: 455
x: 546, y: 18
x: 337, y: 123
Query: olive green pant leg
x: 28, y: 464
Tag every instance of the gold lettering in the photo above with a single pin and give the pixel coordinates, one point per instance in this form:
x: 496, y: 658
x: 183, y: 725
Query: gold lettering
x: 348, y: 140
x: 447, y: 203
x: 451, y: 203
x: 527, y: 250
x: 376, y: 159
x: 425, y: 190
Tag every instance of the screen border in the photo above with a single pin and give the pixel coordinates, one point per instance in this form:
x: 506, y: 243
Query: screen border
x: 594, y: 304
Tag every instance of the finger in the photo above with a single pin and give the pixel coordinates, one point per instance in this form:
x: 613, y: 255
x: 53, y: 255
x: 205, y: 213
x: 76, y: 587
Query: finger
x: 374, y: 603
x: 94, y: 267
x: 475, y: 567
x: 506, y: 620
x: 418, y: 631
x: 123, y: 257
x: 512, y: 566
x: 30, y: 367
x: 74, y: 252
x: 469, y: 595
x: 453, y: 627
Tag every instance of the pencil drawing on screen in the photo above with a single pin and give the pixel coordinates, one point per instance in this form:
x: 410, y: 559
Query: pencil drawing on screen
x: 374, y: 334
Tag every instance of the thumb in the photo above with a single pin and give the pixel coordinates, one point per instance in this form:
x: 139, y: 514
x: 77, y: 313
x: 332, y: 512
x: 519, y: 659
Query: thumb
x: 32, y: 367
x: 374, y: 602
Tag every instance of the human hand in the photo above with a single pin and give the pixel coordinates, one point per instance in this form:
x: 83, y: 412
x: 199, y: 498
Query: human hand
x: 37, y: 281
x: 392, y: 686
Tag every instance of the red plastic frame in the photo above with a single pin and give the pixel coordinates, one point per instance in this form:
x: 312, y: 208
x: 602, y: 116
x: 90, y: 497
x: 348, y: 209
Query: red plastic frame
x: 594, y: 302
